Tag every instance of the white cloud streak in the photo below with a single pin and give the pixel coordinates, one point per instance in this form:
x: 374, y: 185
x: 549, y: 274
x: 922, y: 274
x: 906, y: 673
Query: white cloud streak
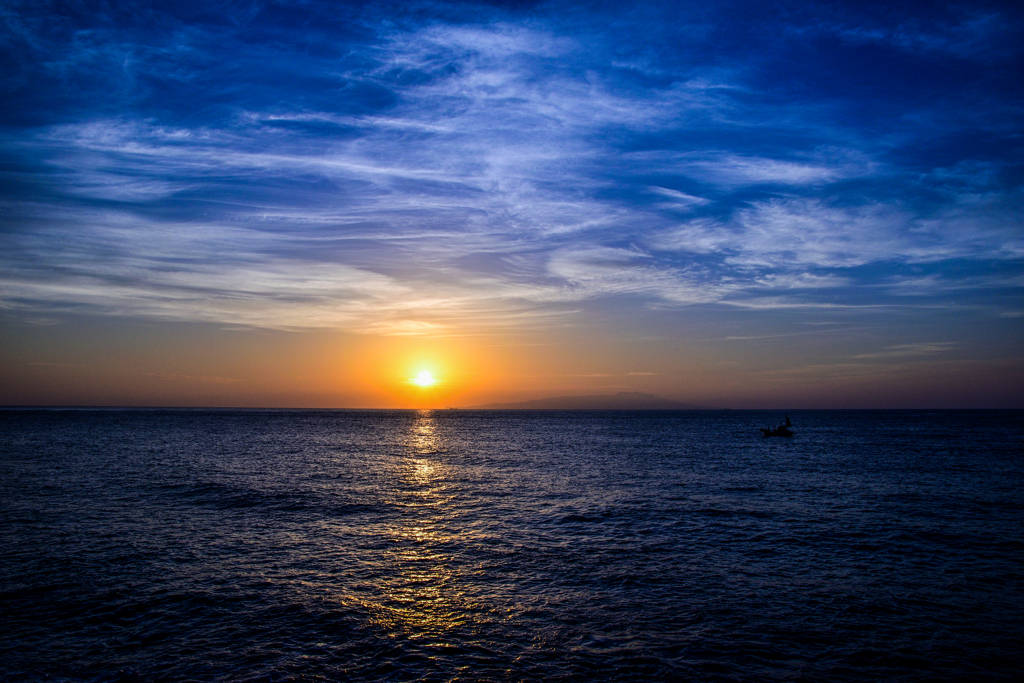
x: 498, y: 188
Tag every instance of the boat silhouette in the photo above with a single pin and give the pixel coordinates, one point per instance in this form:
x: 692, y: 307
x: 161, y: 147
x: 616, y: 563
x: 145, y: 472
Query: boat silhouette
x: 782, y: 430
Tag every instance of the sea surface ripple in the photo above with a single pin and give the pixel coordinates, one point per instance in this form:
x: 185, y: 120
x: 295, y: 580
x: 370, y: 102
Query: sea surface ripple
x: 233, y: 545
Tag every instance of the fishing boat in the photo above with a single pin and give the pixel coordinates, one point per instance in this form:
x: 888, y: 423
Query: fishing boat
x: 782, y: 430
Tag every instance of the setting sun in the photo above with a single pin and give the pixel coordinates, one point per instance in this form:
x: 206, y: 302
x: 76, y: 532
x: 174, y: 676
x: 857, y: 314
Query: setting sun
x: 424, y: 379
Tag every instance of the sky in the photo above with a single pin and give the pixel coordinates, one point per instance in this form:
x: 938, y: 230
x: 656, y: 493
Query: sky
x: 731, y: 204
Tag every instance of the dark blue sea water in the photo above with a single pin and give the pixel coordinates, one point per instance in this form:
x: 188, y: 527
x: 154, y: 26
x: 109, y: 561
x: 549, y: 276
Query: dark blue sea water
x: 510, y: 546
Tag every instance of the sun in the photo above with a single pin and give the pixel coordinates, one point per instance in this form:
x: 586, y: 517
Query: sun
x: 424, y: 379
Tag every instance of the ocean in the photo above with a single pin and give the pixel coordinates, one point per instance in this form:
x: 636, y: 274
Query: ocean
x: 457, y: 545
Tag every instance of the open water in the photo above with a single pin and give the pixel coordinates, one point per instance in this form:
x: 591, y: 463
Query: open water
x: 148, y: 545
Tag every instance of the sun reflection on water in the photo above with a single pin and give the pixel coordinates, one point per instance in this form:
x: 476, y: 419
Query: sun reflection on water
x: 422, y: 595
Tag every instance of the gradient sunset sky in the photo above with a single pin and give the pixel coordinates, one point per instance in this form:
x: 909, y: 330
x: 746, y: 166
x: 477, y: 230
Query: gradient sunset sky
x: 732, y: 204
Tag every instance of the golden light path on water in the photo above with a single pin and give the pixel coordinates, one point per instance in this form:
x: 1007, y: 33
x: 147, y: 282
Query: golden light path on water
x: 422, y: 595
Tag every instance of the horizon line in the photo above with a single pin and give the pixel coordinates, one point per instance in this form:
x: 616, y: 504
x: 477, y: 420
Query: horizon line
x: 475, y: 409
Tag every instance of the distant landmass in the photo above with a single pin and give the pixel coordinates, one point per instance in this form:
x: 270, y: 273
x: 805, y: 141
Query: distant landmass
x: 624, y: 400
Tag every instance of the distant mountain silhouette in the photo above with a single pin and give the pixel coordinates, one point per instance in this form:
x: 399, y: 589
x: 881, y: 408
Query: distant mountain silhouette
x: 624, y: 400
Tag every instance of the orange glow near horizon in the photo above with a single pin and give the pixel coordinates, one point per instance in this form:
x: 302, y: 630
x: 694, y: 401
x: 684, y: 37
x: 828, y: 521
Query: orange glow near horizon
x: 127, y: 363
x: 422, y: 373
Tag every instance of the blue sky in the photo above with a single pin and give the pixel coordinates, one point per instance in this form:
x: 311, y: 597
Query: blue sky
x: 715, y: 170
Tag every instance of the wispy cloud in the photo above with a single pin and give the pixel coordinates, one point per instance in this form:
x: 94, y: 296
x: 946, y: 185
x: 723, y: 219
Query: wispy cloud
x: 193, y: 379
x: 910, y: 350
x: 425, y: 176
